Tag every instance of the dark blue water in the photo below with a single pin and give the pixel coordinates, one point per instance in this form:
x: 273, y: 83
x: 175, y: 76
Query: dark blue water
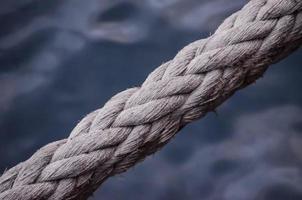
x: 62, y: 59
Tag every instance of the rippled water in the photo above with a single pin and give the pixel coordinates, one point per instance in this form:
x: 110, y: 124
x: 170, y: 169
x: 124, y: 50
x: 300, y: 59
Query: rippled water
x: 61, y: 59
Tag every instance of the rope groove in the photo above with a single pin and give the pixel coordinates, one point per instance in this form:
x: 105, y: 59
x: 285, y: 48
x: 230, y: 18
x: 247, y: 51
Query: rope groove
x: 139, y: 121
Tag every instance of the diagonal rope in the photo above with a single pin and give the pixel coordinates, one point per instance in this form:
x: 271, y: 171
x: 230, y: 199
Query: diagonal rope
x: 139, y: 121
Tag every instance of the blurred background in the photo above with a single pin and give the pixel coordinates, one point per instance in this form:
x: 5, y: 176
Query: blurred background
x: 59, y: 60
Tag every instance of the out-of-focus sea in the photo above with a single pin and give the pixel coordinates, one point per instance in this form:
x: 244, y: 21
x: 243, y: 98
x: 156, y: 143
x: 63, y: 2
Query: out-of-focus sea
x: 60, y: 60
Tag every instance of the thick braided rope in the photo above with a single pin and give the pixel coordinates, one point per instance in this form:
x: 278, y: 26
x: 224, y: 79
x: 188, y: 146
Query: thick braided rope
x: 139, y: 121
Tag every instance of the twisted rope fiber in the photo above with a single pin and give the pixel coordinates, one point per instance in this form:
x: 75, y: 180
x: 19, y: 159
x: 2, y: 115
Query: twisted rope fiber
x: 139, y: 121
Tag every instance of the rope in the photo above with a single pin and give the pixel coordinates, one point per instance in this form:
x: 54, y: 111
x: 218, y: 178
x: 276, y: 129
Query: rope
x: 139, y: 121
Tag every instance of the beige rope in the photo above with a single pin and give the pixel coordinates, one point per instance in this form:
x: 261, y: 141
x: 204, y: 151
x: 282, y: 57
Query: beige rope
x: 139, y: 121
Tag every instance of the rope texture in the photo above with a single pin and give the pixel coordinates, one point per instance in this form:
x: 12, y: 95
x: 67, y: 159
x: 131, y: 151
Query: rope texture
x: 139, y: 121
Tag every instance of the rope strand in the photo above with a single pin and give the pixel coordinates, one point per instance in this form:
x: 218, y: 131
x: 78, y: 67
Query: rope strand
x: 139, y: 121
